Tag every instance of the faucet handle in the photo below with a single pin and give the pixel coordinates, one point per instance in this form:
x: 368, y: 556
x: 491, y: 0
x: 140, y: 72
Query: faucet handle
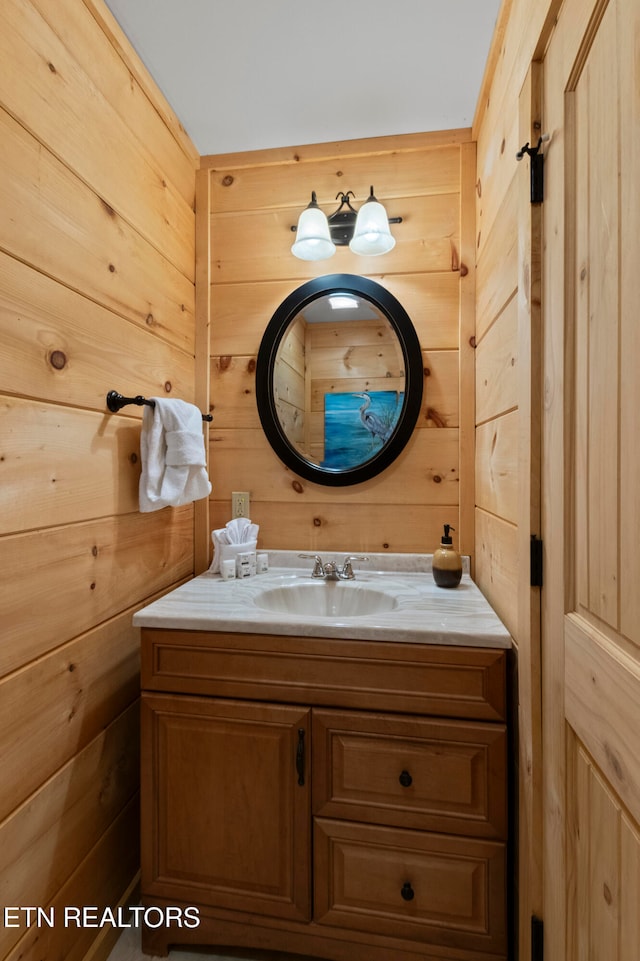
x: 318, y: 567
x: 347, y: 569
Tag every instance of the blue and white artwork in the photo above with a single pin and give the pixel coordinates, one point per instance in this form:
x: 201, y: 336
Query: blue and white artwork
x: 358, y: 425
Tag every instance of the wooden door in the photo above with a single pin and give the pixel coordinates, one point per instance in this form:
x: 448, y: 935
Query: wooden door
x: 591, y: 484
x: 226, y: 821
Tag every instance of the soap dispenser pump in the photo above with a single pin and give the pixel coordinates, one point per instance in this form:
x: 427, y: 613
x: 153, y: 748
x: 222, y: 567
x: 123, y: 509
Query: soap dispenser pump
x: 447, y: 563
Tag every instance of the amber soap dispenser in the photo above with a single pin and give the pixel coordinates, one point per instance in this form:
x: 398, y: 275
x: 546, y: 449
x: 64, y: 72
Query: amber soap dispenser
x: 447, y: 563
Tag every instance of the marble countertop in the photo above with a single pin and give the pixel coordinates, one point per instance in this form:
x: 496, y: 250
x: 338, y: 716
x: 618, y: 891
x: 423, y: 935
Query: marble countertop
x: 424, y: 613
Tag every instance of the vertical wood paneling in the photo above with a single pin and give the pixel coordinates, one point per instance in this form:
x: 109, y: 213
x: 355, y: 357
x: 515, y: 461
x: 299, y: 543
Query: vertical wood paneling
x: 591, y: 667
x: 255, y: 199
x: 96, y: 293
x: 600, y: 328
x: 605, y: 847
x: 559, y: 871
x: 629, y: 890
x: 629, y: 159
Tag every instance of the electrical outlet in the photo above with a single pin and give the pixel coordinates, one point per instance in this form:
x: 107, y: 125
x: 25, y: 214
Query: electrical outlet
x: 240, y: 503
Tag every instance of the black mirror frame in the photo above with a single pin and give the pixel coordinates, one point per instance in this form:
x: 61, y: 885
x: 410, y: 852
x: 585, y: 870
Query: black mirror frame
x: 414, y: 375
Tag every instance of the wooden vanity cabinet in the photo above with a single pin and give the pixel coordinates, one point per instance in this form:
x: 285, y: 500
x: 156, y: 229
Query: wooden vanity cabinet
x: 303, y: 805
x: 229, y: 813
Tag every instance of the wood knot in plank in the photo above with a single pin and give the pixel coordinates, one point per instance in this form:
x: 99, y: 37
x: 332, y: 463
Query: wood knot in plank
x: 57, y: 359
x: 435, y: 417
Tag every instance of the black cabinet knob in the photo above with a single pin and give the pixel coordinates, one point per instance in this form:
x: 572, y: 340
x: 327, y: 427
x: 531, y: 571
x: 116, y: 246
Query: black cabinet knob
x: 405, y: 779
x: 407, y: 893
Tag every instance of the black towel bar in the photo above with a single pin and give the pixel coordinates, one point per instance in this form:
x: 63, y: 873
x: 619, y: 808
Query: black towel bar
x: 116, y: 402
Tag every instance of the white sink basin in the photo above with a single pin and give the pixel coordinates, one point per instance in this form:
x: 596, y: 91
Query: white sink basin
x: 325, y: 599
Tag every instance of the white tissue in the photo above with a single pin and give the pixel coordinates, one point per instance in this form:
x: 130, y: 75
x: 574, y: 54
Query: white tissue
x: 238, y: 535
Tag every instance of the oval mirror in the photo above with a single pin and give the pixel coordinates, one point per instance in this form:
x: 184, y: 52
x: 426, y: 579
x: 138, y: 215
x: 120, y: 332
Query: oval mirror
x: 339, y: 379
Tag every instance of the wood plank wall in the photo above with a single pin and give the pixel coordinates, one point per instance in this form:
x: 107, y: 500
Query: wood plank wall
x: 97, y: 184
x: 255, y: 199
x: 508, y: 407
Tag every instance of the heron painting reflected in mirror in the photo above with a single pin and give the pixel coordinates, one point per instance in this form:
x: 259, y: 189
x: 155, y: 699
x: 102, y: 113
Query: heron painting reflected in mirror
x: 380, y: 428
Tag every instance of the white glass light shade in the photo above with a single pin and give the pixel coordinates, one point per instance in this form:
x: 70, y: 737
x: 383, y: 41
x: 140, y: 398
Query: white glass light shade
x: 313, y: 241
x: 372, y: 235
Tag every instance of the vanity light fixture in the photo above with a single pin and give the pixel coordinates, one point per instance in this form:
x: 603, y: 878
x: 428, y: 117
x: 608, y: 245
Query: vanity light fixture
x: 343, y: 302
x: 366, y: 230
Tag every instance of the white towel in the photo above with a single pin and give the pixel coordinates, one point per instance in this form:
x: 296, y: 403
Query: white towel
x: 173, y: 456
x: 239, y: 534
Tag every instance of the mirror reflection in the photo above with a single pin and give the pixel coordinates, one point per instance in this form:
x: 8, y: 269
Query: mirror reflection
x: 339, y: 381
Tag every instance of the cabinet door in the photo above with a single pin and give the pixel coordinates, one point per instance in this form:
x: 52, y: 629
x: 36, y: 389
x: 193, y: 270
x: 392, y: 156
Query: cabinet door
x: 226, y: 804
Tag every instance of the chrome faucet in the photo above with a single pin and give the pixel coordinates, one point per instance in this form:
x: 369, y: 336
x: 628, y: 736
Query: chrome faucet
x: 330, y: 571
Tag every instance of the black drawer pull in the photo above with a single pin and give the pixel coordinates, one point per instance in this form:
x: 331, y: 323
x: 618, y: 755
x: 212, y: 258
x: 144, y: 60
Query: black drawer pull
x: 405, y: 779
x: 407, y: 892
x: 300, y: 756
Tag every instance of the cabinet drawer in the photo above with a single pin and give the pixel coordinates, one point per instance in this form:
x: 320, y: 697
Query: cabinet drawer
x: 388, y: 676
x: 423, y: 887
x: 436, y: 775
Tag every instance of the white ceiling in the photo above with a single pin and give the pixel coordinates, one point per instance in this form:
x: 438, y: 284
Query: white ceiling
x: 250, y: 74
